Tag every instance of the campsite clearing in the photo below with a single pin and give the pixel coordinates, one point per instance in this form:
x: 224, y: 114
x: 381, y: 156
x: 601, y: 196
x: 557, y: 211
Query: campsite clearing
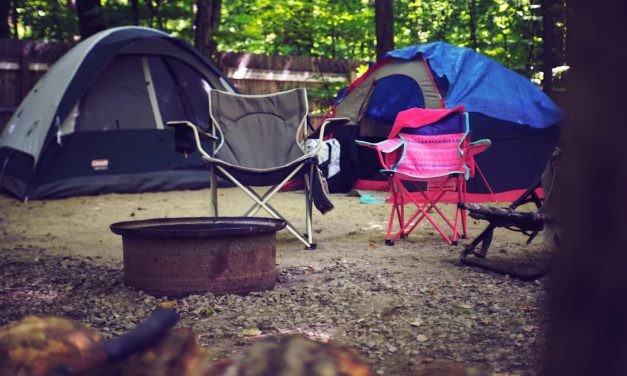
x: 403, y: 308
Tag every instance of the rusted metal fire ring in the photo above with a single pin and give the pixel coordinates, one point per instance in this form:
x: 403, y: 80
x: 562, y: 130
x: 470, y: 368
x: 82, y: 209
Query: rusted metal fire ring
x: 183, y: 256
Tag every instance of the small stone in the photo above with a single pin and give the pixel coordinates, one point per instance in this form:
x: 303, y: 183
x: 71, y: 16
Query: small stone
x: 422, y: 338
x: 418, y: 322
x: 251, y: 332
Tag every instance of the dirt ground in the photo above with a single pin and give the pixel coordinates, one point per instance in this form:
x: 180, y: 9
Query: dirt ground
x: 402, y: 308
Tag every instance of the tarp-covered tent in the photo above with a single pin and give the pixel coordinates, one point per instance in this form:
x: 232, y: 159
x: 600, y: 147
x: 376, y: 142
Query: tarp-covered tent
x: 522, y: 122
x: 94, y: 123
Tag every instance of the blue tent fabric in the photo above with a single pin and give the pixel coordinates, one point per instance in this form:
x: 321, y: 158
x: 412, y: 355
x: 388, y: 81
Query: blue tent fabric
x: 392, y: 95
x: 482, y: 85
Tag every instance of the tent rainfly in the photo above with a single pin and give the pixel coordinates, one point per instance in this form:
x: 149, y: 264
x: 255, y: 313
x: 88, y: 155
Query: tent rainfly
x: 94, y: 123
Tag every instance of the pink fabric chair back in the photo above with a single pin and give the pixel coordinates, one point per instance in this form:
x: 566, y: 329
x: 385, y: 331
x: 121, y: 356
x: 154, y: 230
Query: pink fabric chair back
x: 432, y: 156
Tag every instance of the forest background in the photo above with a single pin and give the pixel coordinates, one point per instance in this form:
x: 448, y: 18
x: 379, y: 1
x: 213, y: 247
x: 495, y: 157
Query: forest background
x: 527, y: 36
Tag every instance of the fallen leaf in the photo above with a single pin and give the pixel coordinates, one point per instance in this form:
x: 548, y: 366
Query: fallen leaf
x: 527, y: 308
x: 207, y: 312
x: 168, y: 304
x: 372, y: 245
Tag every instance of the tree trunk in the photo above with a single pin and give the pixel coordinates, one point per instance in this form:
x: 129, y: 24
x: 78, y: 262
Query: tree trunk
x: 90, y: 17
x: 589, y: 299
x: 473, y: 24
x: 5, y: 12
x: 384, y: 26
x: 15, y: 18
x: 216, y: 7
x: 151, y: 12
x: 135, y: 12
x: 206, y: 24
x: 548, y: 43
x: 159, y: 14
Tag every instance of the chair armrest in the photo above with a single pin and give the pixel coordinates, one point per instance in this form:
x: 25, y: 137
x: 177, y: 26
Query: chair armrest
x: 473, y: 149
x: 196, y: 131
x: 477, y: 147
x: 324, y: 124
x: 338, y: 121
x: 384, y: 147
x: 201, y: 133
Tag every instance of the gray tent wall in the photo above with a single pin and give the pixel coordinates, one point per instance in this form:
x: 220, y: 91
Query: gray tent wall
x: 94, y: 123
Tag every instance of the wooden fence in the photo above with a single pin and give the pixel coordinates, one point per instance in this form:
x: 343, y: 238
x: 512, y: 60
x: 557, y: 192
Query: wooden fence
x: 22, y: 63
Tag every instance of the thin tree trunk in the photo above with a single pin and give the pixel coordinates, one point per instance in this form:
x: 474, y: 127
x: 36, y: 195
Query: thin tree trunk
x: 15, y: 18
x: 384, y: 26
x: 532, y: 34
x: 473, y: 24
x: 206, y: 24
x: 548, y: 43
x: 5, y: 12
x: 201, y: 26
x: 90, y: 17
x: 333, y: 41
x: 214, y: 25
x: 135, y: 12
x: 151, y: 12
x: 159, y: 14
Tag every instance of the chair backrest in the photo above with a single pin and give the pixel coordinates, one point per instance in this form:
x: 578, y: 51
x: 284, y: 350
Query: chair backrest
x: 435, y: 150
x: 259, y: 131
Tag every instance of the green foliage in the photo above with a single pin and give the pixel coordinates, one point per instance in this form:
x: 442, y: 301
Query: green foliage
x: 508, y: 30
x: 48, y: 20
x: 328, y: 28
x: 56, y: 20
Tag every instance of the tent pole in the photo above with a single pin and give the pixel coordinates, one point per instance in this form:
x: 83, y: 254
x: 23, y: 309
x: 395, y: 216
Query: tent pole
x: 152, y: 95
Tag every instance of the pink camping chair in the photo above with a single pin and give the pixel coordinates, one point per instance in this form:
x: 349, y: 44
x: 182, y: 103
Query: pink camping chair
x: 430, y: 151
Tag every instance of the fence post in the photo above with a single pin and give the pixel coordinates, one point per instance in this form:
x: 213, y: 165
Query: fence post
x: 24, y: 81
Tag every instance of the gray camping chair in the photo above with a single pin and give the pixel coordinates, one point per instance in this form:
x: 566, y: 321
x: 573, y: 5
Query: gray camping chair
x: 259, y: 140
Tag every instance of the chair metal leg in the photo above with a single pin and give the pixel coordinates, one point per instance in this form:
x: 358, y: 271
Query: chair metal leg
x: 255, y: 208
x: 308, y: 204
x: 395, y: 203
x: 214, y: 191
x: 463, y: 210
x: 268, y: 195
x: 425, y: 213
x: 263, y: 204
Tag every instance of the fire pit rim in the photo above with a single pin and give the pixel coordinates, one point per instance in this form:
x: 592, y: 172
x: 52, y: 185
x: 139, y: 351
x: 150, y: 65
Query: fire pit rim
x: 185, y: 227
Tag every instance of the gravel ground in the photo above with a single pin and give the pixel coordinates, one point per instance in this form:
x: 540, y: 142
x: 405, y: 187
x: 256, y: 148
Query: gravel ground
x: 402, y: 308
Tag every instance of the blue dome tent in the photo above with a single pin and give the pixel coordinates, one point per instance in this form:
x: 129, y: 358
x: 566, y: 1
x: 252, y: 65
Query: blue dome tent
x: 522, y: 122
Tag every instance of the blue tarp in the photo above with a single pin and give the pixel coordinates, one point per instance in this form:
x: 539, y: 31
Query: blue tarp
x: 482, y: 85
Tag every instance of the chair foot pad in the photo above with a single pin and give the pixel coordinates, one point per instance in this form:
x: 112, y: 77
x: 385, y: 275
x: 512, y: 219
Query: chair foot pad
x: 312, y: 247
x: 389, y: 242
